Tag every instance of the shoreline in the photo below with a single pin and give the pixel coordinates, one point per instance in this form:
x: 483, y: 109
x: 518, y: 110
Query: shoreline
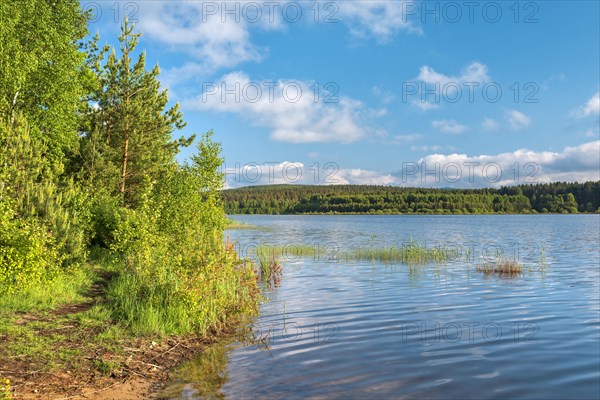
x: 142, y: 367
x: 66, y: 352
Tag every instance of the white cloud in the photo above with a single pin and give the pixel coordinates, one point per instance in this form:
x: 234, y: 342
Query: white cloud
x: 402, y: 139
x: 385, y: 96
x: 433, y: 148
x: 592, y: 107
x: 287, y: 172
x: 211, y: 41
x: 357, y: 176
x: 560, y: 77
x: 578, y: 163
x: 449, y: 126
x: 490, y: 124
x: 475, y: 72
x: 217, y: 35
x: 378, y: 19
x: 272, y: 173
x: 517, y: 120
x: 425, y: 105
x: 445, y: 87
x: 289, y: 109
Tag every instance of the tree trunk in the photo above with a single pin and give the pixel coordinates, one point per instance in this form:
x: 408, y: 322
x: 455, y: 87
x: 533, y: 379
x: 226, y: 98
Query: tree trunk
x: 12, y: 110
x: 124, y: 169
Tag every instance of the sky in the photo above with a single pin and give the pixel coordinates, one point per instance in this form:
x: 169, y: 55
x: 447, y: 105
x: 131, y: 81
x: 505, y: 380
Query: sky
x: 405, y: 93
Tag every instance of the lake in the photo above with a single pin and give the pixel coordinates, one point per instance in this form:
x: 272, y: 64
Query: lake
x: 336, y: 329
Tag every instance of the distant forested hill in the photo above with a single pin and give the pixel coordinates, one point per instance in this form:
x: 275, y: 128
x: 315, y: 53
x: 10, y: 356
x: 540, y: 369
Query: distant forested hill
x: 558, y: 197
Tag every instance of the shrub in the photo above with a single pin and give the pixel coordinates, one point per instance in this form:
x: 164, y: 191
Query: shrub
x: 27, y: 252
x: 177, y: 277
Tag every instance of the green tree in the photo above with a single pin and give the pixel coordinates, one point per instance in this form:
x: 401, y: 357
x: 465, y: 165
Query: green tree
x: 42, y: 68
x: 129, y: 145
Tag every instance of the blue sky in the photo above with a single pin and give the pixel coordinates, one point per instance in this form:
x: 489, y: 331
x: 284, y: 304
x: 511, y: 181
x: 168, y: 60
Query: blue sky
x: 394, y: 83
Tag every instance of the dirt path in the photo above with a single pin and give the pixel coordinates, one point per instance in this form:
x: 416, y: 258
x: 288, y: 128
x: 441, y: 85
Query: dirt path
x: 59, y: 355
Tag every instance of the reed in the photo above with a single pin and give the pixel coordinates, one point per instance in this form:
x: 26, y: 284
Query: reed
x: 268, y: 262
x: 506, y: 267
x: 290, y: 250
x: 411, y: 253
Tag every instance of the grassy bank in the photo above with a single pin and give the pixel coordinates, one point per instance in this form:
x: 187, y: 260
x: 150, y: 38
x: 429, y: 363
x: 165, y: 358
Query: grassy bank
x: 97, y: 168
x: 72, y: 337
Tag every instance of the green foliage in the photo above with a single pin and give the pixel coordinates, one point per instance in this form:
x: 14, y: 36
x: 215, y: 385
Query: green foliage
x: 177, y: 276
x: 28, y: 256
x: 43, y: 219
x: 66, y: 288
x: 42, y: 70
x: 154, y: 224
x: 105, y: 216
x: 358, y: 199
x: 127, y: 145
x: 5, y: 389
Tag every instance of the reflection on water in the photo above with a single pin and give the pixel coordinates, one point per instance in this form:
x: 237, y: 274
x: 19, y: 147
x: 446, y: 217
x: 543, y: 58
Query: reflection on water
x: 346, y: 329
x: 202, y: 378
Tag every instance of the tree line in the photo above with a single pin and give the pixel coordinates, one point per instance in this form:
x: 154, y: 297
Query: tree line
x: 557, y: 197
x: 89, y: 180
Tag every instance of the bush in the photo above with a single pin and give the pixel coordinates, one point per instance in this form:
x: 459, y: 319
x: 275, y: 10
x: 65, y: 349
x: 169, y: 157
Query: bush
x: 43, y: 216
x: 159, y: 299
x: 177, y: 277
x: 104, y: 220
x: 27, y: 253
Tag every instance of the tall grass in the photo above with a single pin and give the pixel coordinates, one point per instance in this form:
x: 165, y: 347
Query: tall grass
x: 233, y: 224
x: 268, y: 262
x: 412, y: 253
x: 170, y: 301
x: 63, y: 289
x: 149, y: 307
x: 507, y: 267
x: 288, y: 251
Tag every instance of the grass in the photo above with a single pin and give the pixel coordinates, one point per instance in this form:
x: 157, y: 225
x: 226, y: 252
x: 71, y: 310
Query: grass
x: 233, y: 224
x: 65, y: 289
x: 542, y: 264
x: 166, y: 302
x: 292, y: 250
x: 270, y: 270
x: 81, y: 322
x: 146, y: 308
x: 505, y: 267
x: 412, y: 254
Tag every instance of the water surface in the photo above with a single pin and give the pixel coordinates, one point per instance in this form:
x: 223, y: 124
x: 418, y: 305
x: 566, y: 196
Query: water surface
x: 365, y: 330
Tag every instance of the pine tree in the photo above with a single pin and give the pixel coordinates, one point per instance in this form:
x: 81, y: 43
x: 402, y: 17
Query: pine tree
x: 130, y: 133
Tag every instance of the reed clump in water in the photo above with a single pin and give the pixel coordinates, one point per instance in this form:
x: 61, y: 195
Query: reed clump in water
x: 268, y: 263
x: 233, y: 224
x: 291, y: 250
x: 501, y: 267
x: 411, y: 253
